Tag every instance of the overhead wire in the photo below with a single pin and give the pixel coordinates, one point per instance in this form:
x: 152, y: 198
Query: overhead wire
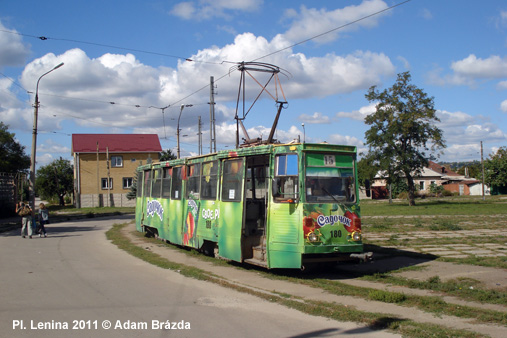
x: 173, y: 105
x: 333, y: 30
x: 45, y: 38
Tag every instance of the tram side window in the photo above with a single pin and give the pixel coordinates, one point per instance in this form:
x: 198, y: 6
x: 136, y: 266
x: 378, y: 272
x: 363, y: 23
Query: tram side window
x: 166, y: 182
x: 256, y: 184
x: 176, y: 184
x: 156, y: 183
x: 147, y: 183
x: 193, y: 181
x: 232, y: 180
x: 139, y: 185
x: 209, y: 180
x: 285, y: 184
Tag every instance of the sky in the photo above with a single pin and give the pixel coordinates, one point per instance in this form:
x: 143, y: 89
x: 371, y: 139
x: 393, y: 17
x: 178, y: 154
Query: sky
x: 130, y: 65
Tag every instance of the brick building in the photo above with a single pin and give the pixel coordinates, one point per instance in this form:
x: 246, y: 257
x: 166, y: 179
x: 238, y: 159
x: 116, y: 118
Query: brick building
x: 105, y: 164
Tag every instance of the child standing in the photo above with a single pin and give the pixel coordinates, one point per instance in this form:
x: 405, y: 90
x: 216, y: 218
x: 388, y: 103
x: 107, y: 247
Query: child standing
x: 43, y: 219
x: 23, y: 210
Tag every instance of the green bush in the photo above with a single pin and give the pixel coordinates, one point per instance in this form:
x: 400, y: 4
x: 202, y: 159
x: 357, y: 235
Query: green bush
x: 436, y: 189
x: 403, y: 195
x: 447, y: 193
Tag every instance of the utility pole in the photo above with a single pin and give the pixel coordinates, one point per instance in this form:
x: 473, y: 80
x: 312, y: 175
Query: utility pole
x: 200, y: 136
x: 482, y: 163
x: 31, y: 186
x: 212, y: 134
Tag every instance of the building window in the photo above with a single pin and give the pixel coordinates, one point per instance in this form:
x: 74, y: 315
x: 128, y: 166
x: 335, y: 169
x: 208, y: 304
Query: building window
x: 127, y: 182
x: 421, y: 185
x: 116, y: 161
x: 104, y: 183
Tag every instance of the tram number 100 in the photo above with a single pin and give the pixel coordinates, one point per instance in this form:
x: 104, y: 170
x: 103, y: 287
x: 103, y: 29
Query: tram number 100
x: 336, y: 233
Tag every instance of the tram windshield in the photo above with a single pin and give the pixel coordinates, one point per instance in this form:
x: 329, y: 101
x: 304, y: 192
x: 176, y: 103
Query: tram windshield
x: 330, y: 184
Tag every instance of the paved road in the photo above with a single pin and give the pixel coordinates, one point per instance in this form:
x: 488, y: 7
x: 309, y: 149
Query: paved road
x: 76, y: 278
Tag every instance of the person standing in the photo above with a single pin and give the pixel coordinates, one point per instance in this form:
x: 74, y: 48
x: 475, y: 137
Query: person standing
x: 43, y: 219
x: 24, y: 210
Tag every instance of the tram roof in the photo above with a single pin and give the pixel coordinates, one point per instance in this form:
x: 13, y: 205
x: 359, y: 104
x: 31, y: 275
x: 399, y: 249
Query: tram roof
x: 258, y: 150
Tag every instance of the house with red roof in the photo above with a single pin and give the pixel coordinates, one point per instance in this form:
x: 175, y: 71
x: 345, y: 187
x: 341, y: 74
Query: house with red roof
x: 105, y: 165
x: 439, y: 175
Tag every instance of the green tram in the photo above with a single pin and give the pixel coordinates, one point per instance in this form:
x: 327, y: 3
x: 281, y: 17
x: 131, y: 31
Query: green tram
x: 275, y: 205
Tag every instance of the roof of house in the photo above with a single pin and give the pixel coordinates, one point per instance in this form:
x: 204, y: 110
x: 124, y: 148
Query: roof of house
x: 115, y: 143
x: 441, y: 169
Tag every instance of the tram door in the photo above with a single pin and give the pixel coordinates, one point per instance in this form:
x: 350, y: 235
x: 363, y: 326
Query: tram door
x: 143, y: 193
x: 231, y: 209
x: 256, y: 196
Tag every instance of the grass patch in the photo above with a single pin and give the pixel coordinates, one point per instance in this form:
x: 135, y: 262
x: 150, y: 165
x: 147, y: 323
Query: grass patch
x: 386, y: 297
x: 445, y: 225
x: 492, y: 262
x: 462, y: 288
x: 465, y: 205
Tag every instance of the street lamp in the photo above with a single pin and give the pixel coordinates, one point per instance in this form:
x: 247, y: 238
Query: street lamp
x: 178, y: 129
x: 304, y: 132
x: 34, y: 142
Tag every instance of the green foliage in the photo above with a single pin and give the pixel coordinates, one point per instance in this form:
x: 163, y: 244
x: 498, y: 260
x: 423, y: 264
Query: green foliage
x: 132, y: 194
x: 55, y: 180
x: 366, y: 168
x: 403, y: 130
x: 436, y: 189
x: 399, y: 188
x: 12, y: 154
x: 474, y: 169
x: 495, y: 168
x: 167, y: 155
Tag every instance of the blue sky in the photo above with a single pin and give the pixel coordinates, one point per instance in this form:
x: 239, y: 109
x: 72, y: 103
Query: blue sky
x: 455, y: 51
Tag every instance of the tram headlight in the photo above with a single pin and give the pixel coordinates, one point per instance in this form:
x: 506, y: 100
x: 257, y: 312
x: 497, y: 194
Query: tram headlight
x: 356, y: 236
x: 312, y: 237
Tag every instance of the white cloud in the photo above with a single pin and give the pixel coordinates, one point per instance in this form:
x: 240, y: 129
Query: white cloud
x: 344, y: 139
x: 80, y: 92
x: 185, y: 10
x: 315, y: 118
x: 44, y: 159
x: 14, y: 51
x: 470, y: 69
x: 461, y: 128
x: 311, y: 22
x: 502, y: 85
x: 503, y: 106
x: 207, y: 9
x: 449, y: 120
x: 358, y: 115
x: 475, y: 68
x: 49, y: 146
x: 463, y: 152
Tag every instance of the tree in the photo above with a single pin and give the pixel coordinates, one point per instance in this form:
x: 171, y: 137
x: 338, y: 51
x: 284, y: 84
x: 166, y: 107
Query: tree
x: 402, y: 130
x: 366, y: 169
x: 167, y: 155
x: 495, y: 170
x: 55, y: 180
x: 474, y: 169
x: 132, y: 194
x: 12, y: 154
